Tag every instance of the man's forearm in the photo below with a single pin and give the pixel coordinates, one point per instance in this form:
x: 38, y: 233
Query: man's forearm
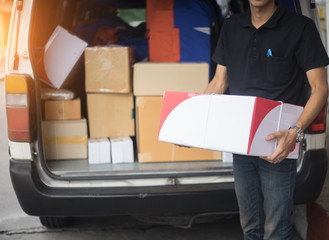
x: 286, y: 138
x: 318, y: 98
x: 216, y: 87
x: 219, y: 83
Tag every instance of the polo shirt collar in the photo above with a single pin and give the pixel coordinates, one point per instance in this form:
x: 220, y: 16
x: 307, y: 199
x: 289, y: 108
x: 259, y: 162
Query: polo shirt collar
x: 245, y: 19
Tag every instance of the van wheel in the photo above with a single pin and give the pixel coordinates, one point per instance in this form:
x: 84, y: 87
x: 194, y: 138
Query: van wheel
x: 55, y: 222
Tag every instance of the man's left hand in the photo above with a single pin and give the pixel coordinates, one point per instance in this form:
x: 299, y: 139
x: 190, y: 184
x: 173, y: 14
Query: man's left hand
x: 285, y: 140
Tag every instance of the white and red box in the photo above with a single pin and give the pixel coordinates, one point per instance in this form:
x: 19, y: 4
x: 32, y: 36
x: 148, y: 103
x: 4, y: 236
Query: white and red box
x: 236, y: 124
x: 59, y: 56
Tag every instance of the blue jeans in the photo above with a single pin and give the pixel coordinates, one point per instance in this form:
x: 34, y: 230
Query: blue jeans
x: 265, y: 197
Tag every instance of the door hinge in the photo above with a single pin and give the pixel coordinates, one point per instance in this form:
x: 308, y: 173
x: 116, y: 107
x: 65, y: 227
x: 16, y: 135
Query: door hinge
x: 19, y: 8
x: 19, y: 5
x: 173, y: 181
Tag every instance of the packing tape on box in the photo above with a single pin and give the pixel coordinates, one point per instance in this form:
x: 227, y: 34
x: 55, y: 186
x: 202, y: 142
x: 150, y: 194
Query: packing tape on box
x: 65, y: 140
x: 173, y: 153
x: 140, y: 102
x: 145, y: 157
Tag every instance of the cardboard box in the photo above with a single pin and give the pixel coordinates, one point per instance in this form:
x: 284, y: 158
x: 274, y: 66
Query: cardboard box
x: 236, y: 124
x: 152, y: 79
x: 110, y: 115
x: 108, y: 69
x: 122, y: 150
x: 160, y: 15
x: 59, y: 56
x: 66, y: 139
x: 63, y: 110
x: 164, y: 46
x: 150, y: 149
x: 99, y: 150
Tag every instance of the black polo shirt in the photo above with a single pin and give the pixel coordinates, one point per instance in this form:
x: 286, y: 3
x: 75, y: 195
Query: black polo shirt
x: 271, y: 61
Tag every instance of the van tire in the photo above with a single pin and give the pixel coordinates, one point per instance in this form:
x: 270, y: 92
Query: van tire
x: 55, y: 222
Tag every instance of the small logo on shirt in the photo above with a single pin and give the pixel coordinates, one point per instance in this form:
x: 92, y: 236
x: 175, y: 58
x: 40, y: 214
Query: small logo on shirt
x: 269, y: 53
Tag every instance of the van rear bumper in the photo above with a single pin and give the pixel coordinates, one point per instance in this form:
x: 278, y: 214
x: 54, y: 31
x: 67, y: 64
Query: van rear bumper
x: 37, y: 199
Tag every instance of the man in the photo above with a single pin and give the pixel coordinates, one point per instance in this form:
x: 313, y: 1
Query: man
x: 268, y: 52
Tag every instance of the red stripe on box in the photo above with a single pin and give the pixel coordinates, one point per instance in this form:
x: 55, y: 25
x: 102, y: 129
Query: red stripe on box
x: 170, y: 101
x: 293, y: 147
x: 261, y: 108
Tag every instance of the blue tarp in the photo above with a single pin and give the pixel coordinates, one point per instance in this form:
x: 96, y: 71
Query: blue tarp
x: 194, y: 19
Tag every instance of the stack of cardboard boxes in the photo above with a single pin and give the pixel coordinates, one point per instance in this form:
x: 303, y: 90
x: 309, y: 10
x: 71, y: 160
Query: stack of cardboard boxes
x: 64, y: 131
x: 167, y: 72
x: 163, y: 37
x: 110, y: 102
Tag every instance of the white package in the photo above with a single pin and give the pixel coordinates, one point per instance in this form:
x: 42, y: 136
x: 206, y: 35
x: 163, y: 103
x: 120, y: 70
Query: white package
x: 122, y: 150
x: 99, y: 150
x: 61, y: 53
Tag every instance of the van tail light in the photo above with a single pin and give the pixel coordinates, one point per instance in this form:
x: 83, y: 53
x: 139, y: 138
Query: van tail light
x: 20, y: 120
x: 319, y: 123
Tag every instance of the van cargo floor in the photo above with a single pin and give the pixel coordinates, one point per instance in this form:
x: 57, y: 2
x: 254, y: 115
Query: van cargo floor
x: 81, y: 167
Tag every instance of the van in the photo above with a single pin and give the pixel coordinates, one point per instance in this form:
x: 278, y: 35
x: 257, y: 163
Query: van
x: 59, y: 189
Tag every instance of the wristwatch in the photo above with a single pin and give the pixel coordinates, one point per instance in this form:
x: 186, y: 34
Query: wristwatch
x: 300, y: 134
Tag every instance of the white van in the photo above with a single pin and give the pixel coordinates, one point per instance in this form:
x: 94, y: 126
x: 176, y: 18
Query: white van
x: 57, y: 190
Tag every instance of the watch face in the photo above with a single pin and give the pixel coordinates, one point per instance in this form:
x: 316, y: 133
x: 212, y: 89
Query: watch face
x: 299, y: 137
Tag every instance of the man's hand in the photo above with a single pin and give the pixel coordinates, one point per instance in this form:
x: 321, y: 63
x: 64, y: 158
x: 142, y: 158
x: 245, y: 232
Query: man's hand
x: 317, y: 79
x: 285, y: 140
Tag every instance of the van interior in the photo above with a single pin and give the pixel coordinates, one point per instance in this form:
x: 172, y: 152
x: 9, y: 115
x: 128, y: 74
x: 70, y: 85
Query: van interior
x: 77, y: 17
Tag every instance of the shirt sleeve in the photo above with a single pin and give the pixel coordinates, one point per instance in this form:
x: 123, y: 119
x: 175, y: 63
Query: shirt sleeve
x: 219, y: 54
x: 310, y: 52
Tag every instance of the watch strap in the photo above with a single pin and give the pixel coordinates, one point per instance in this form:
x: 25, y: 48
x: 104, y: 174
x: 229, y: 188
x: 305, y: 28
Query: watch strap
x: 299, y: 133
